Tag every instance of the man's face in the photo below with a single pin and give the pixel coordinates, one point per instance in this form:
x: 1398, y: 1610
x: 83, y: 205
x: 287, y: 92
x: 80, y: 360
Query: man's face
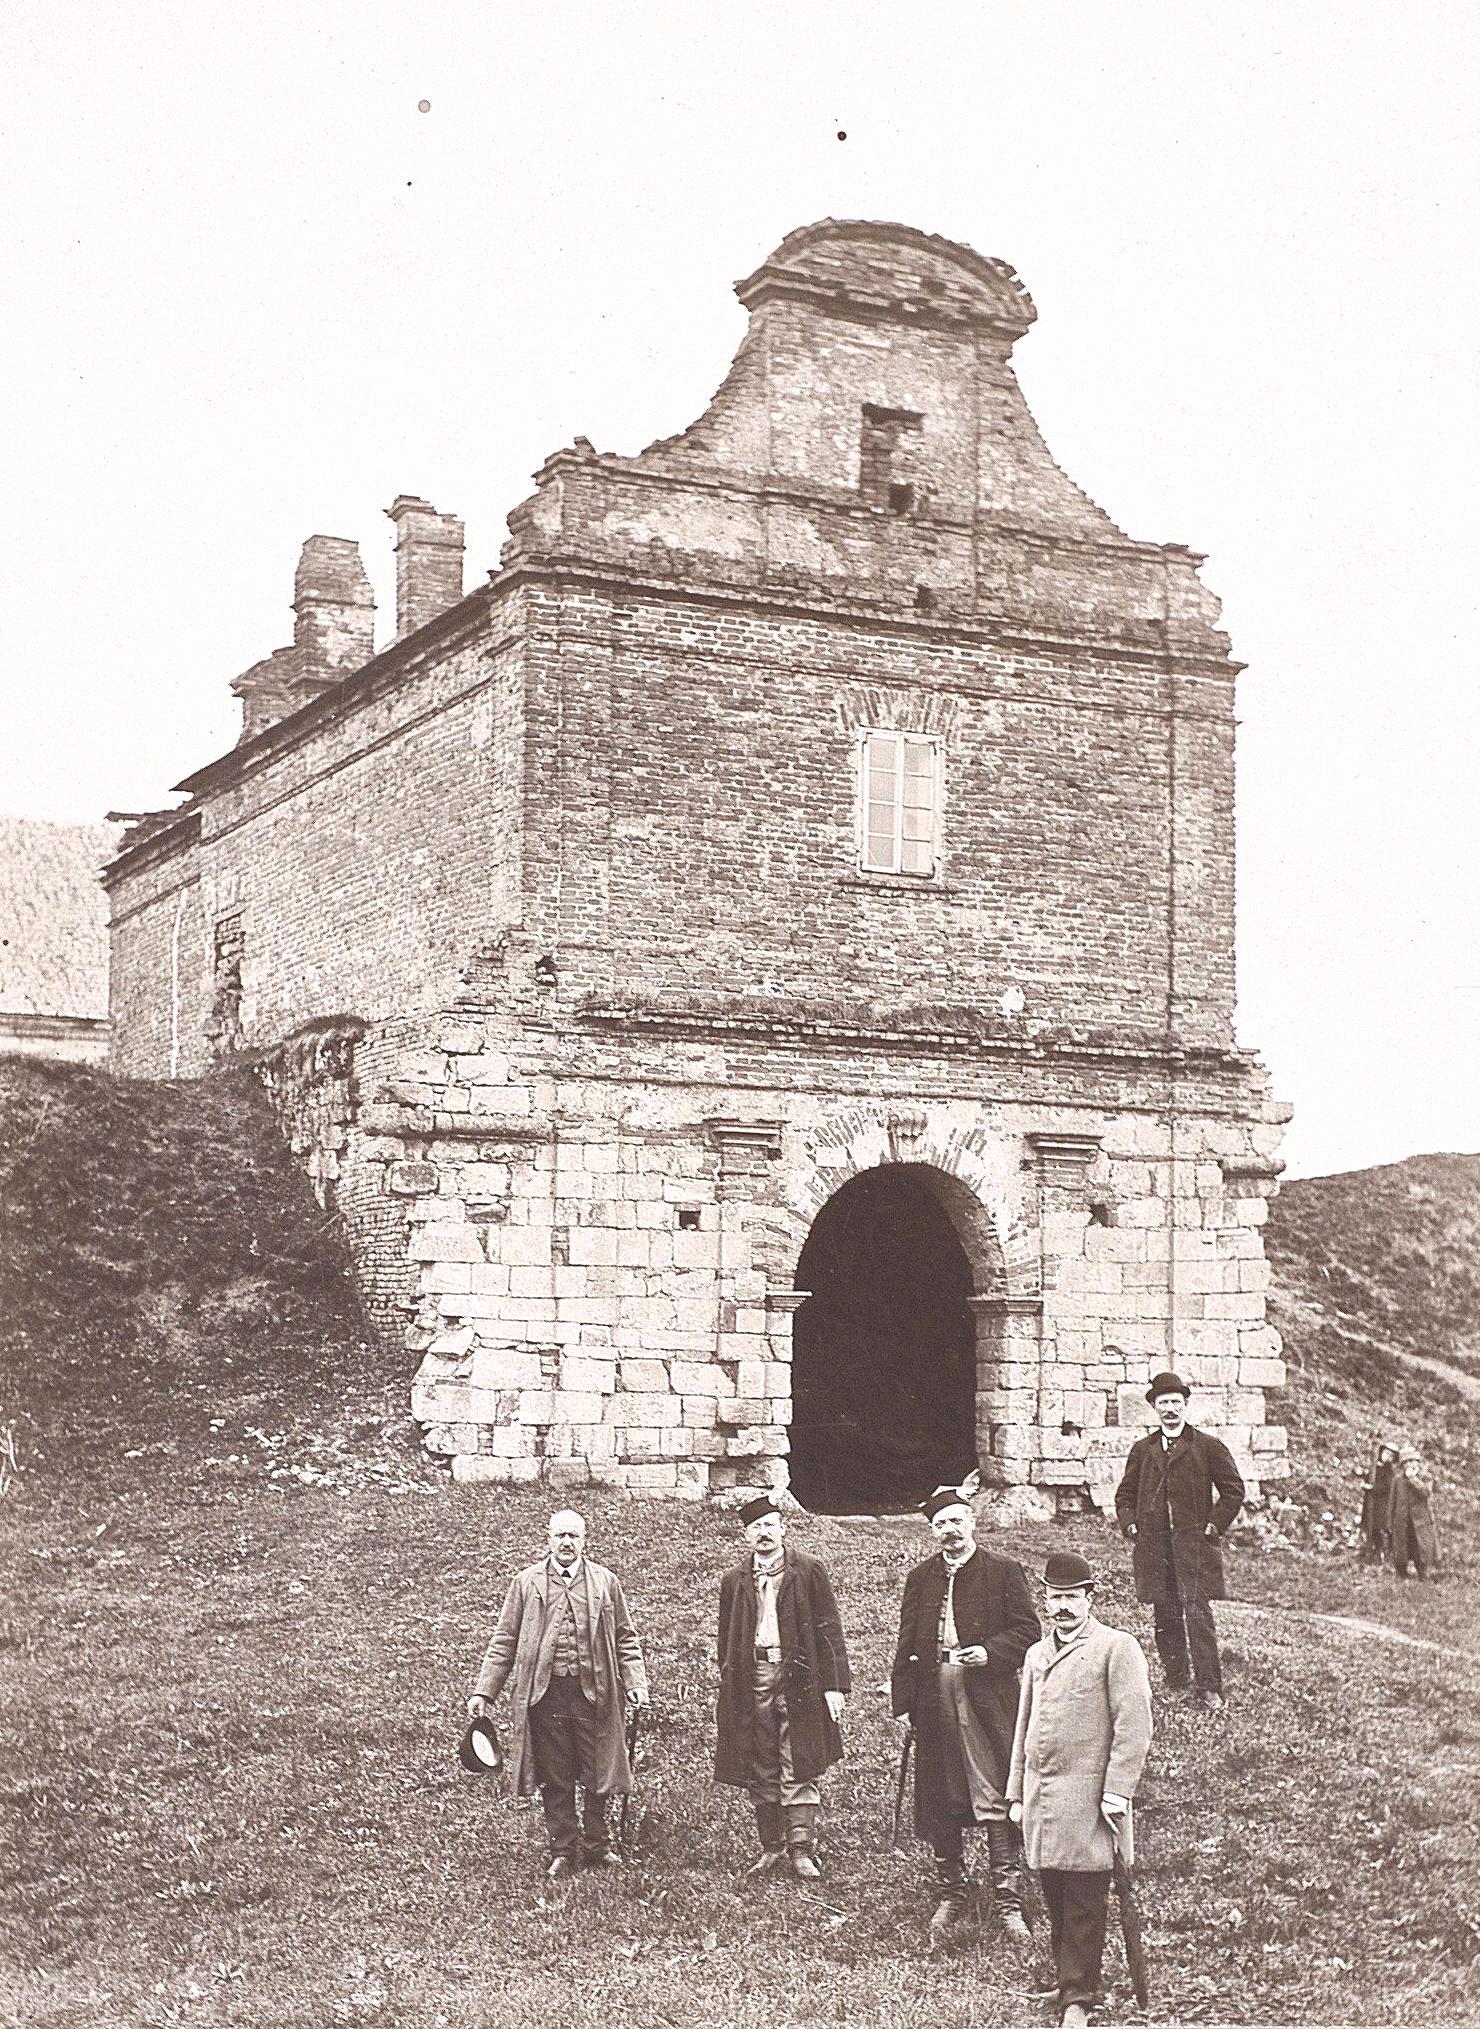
x: 954, y: 1528
x: 764, y: 1534
x: 1068, y: 1607
x: 1171, y: 1412
x: 567, y: 1538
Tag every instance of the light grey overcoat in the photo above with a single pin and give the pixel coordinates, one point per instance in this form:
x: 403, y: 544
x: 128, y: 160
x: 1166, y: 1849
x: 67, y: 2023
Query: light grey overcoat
x: 523, y: 1649
x: 1083, y: 1730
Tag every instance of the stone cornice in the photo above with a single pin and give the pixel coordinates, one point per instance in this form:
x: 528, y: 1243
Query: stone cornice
x: 797, y: 1032
x: 574, y: 568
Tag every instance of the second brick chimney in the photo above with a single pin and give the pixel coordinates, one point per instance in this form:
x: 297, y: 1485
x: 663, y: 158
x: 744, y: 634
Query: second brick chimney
x: 429, y: 562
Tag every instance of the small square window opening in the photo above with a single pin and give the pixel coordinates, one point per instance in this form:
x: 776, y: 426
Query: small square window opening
x: 899, y: 803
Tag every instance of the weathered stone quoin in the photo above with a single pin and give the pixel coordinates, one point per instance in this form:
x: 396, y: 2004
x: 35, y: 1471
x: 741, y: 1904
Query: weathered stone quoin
x: 829, y: 792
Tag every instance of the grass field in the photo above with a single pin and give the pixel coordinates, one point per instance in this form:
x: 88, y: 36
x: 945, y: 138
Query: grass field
x: 240, y: 1619
x: 233, y: 1797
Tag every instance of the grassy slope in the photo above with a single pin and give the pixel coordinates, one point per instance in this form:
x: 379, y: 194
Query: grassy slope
x: 228, y: 1741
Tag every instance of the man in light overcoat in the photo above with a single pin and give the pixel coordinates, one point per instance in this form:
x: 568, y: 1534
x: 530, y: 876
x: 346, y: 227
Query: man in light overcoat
x: 566, y: 1648
x: 1082, y: 1735
x: 783, y: 1682
x: 1180, y: 1495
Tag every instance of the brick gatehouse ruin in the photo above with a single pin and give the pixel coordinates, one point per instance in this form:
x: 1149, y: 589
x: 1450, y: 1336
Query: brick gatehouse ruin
x: 756, y: 973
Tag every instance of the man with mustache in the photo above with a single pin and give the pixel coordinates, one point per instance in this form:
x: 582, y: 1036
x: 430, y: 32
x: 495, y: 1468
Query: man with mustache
x: 965, y: 1623
x: 1082, y: 1735
x: 1179, y: 1497
x: 783, y: 1682
x: 566, y: 1647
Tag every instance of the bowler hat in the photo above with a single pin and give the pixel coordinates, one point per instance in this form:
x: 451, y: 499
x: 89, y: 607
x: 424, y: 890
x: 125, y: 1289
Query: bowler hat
x: 1168, y: 1384
x: 480, y: 1750
x: 1066, y: 1569
x: 752, y: 1510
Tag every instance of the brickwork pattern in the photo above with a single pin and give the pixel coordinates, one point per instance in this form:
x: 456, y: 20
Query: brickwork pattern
x: 580, y: 856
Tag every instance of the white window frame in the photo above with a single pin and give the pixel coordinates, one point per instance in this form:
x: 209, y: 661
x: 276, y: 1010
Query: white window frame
x: 876, y: 855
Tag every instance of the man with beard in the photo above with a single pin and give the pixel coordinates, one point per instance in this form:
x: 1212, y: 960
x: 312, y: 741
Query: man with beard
x: 783, y: 1682
x: 566, y: 1647
x: 1081, y: 1740
x: 1180, y: 1495
x: 965, y: 1623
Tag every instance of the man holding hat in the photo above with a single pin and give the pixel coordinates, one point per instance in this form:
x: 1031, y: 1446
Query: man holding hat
x: 783, y: 1682
x: 965, y: 1623
x: 566, y: 1647
x: 1180, y: 1495
x: 1080, y: 1743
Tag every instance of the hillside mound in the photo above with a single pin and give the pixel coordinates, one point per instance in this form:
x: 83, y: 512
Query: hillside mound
x: 166, y: 1274
x: 1376, y: 1271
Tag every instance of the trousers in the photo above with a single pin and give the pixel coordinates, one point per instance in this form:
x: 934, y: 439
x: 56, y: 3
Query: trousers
x: 1186, y: 1638
x: 1077, y: 1904
x: 563, y: 1731
x: 773, y: 1776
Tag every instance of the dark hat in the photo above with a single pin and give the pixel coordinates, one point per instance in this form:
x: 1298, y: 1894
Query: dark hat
x: 951, y: 1496
x: 480, y: 1750
x: 761, y: 1504
x: 1168, y: 1384
x: 1066, y: 1569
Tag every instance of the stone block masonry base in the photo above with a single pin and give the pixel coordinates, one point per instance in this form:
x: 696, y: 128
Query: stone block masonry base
x: 607, y: 1282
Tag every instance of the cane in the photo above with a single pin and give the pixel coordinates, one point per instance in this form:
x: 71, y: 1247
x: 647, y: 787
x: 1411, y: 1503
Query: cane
x: 899, y: 1788
x: 1130, y: 1924
x: 634, y: 1716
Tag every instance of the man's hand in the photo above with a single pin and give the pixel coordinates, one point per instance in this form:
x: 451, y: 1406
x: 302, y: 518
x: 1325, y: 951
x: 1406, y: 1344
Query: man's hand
x: 973, y: 1657
x: 835, y: 1703
x: 637, y: 1696
x: 479, y: 1708
x: 1014, y: 1814
x: 1113, y: 1810
x: 1129, y: 1532
x: 1211, y: 1532
x: 904, y: 1723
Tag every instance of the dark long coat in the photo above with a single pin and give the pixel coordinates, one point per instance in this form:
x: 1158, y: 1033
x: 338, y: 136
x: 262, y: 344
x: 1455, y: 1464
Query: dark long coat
x: 1195, y: 1483
x: 993, y: 1608
x: 1410, y: 1523
x: 814, y: 1660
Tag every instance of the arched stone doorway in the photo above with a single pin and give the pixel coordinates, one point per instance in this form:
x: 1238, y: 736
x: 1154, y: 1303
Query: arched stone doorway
x: 884, y: 1348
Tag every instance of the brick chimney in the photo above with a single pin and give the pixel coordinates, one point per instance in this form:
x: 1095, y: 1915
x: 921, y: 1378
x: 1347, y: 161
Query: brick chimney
x: 429, y: 562
x: 333, y: 606
x: 333, y: 634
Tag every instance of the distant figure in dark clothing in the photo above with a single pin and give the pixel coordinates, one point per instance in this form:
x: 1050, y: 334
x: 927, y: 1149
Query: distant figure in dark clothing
x: 1375, y: 1500
x: 1180, y: 1496
x: 1412, y: 1537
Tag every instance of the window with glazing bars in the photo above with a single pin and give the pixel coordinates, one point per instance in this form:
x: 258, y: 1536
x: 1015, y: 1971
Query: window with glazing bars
x: 898, y: 803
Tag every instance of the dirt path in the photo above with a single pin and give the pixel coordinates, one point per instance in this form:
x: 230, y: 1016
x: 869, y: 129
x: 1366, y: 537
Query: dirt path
x: 1349, y: 1624
x: 1463, y: 1383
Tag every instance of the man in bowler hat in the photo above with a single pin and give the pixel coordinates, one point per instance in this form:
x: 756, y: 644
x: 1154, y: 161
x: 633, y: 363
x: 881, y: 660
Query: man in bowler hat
x: 1082, y: 1735
x: 566, y: 1647
x: 783, y: 1682
x: 1179, y: 1496
x: 965, y: 1623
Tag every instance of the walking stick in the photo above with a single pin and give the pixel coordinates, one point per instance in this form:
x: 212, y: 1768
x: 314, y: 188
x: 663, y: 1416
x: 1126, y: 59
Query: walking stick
x: 899, y: 1788
x: 634, y: 1716
x: 1130, y: 1926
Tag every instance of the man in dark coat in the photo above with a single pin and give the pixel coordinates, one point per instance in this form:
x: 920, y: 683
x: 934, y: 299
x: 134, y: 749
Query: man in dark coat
x: 1180, y: 1495
x: 783, y: 1682
x: 965, y: 1623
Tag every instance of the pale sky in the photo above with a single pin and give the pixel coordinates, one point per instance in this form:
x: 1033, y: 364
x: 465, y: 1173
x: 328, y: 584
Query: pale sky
x: 254, y: 293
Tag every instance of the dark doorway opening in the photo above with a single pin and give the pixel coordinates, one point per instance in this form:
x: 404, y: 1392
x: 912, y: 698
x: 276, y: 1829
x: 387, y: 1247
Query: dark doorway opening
x: 884, y: 1350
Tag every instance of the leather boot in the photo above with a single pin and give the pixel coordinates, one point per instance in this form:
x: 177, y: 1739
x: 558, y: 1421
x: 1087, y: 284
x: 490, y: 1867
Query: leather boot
x: 1005, y: 1858
x: 801, y: 1841
x: 771, y: 1826
x: 953, y: 1889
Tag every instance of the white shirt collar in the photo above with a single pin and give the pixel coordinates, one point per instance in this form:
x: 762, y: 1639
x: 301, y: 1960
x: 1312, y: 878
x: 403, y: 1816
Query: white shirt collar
x: 567, y: 1577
